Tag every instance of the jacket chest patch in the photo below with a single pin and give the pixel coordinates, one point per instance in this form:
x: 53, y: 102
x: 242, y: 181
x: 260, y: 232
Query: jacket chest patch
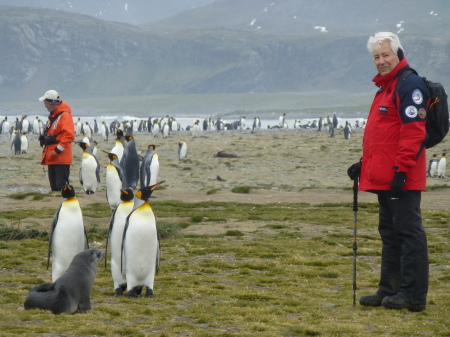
x: 383, y: 110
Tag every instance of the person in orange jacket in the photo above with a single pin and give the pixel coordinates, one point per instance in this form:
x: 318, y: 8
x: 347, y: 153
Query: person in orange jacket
x: 57, y: 140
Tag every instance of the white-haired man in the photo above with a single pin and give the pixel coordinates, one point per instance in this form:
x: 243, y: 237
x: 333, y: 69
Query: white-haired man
x: 393, y: 166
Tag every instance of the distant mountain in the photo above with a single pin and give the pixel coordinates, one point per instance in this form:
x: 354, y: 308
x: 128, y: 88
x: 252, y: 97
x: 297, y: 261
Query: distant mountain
x: 133, y: 12
x: 305, y: 17
x: 91, y: 58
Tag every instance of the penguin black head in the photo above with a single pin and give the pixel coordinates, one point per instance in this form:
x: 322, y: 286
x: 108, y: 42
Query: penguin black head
x: 119, y: 133
x: 128, y: 138
x: 151, y: 146
x: 68, y: 191
x: 83, y: 145
x: 126, y: 195
x: 146, y: 192
x: 111, y: 156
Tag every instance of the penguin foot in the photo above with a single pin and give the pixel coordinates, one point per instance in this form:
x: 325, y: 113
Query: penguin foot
x: 134, y: 292
x: 119, y: 292
x: 149, y: 292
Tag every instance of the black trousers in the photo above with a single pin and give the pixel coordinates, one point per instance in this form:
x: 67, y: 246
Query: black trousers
x: 58, y: 176
x: 404, y: 256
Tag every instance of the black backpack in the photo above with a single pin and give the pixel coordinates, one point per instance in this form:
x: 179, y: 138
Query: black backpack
x: 437, y: 112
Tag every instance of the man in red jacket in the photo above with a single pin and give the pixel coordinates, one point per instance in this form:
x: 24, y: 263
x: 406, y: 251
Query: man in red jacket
x: 57, y: 140
x: 393, y: 165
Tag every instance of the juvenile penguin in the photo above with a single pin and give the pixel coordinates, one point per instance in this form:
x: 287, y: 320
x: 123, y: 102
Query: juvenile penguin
x: 182, y: 150
x: 90, y: 169
x: 149, y: 167
x: 115, y: 235
x: 140, y: 245
x: 114, y: 176
x: 67, y: 237
x: 71, y: 292
x: 441, y: 167
x: 130, y: 163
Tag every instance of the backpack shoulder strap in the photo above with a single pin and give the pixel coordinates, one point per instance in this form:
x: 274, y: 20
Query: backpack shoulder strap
x: 404, y: 74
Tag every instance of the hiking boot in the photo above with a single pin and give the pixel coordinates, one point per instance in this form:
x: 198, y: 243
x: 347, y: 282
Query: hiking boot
x: 397, y: 302
x: 373, y: 300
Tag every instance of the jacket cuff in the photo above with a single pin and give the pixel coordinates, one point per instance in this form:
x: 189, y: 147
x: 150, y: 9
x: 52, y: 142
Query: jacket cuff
x: 59, y: 149
x: 401, y: 168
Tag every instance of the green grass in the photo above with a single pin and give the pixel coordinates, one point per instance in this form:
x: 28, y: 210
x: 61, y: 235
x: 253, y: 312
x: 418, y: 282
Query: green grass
x: 271, y: 270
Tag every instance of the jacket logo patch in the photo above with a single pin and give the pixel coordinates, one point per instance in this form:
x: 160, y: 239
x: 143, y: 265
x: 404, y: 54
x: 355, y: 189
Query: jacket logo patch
x: 422, y: 113
x: 417, y: 96
x: 383, y: 110
x: 411, y: 111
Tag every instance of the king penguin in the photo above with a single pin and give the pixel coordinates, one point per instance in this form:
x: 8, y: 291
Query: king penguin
x: 68, y: 236
x: 90, y: 169
x: 24, y: 141
x: 182, y: 150
x: 347, y: 130
x: 115, y: 235
x: 140, y: 245
x: 114, y: 176
x: 16, y: 143
x: 118, y: 145
x: 130, y: 163
x: 432, y: 170
x: 149, y: 167
x: 441, y: 167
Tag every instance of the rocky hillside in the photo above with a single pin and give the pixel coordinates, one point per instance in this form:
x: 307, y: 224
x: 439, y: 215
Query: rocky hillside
x: 95, y: 58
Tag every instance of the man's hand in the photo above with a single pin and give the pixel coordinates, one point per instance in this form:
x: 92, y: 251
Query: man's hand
x: 354, y: 170
x: 397, y: 184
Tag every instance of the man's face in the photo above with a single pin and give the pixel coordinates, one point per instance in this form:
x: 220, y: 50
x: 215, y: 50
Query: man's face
x: 50, y: 107
x: 385, y: 59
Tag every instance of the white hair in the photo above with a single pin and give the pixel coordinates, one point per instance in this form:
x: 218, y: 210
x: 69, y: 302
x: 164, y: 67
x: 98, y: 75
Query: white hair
x: 376, y: 40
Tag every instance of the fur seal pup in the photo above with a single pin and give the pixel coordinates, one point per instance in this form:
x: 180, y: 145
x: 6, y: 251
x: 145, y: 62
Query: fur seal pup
x: 72, y: 291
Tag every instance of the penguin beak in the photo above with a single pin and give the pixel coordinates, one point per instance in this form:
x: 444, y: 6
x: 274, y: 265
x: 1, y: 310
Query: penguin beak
x: 154, y: 187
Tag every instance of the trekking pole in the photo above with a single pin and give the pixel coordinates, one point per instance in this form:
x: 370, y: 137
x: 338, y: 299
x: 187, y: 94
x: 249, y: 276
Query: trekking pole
x: 355, y: 246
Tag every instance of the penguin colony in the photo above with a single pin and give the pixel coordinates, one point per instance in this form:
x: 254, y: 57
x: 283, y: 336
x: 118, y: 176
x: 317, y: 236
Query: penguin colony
x: 133, y: 225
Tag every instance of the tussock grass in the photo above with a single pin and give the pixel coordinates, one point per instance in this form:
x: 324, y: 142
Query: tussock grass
x: 273, y: 270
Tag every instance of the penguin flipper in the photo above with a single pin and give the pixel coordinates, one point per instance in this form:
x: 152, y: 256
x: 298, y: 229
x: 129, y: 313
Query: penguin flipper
x: 127, y: 222
x: 97, y: 170
x: 80, y: 176
x: 86, y: 242
x: 55, y: 221
x: 108, y: 235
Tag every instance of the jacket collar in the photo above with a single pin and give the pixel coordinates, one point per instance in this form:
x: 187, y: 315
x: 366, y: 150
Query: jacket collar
x: 383, y: 81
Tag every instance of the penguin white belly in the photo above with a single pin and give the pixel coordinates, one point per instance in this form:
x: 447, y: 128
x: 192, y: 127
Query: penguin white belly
x: 118, y: 150
x: 154, y: 169
x: 118, y: 272
x: 183, y: 151
x: 68, y: 238
x: 141, y: 248
x: 433, y: 169
x: 88, y: 172
x: 441, y: 167
x: 113, y: 186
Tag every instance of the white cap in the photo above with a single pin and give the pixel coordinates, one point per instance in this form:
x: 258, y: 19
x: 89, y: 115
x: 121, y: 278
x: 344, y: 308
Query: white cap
x: 50, y: 96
